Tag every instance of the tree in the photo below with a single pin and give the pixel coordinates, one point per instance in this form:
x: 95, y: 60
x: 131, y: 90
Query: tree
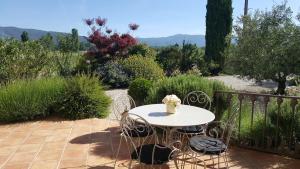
x: 47, y: 41
x: 75, y: 40
x: 268, y: 46
x: 69, y: 43
x: 24, y: 36
x: 108, y: 46
x: 143, y: 50
x: 218, y: 26
x: 182, y: 58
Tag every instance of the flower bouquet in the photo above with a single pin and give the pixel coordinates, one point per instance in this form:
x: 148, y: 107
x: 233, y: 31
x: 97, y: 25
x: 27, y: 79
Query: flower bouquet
x: 172, y: 102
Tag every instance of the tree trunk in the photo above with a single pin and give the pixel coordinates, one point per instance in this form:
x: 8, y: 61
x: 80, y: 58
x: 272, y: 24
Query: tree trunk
x: 281, y: 86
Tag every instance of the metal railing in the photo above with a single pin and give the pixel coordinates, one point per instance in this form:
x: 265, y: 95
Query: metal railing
x: 265, y: 122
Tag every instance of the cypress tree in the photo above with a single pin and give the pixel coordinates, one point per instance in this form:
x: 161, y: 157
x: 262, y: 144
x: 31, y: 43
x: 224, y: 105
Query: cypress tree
x: 24, y: 36
x: 218, y: 26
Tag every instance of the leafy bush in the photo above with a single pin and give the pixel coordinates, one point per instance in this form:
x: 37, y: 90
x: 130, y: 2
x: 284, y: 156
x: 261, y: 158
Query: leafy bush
x: 113, y: 74
x: 183, y: 84
x: 144, y: 50
x: 29, y: 99
x: 83, y: 97
x: 137, y: 66
x: 181, y: 58
x: 138, y: 90
x: 22, y: 60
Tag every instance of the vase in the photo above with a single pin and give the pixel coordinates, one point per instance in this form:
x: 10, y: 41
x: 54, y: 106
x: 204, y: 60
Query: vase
x: 170, y: 108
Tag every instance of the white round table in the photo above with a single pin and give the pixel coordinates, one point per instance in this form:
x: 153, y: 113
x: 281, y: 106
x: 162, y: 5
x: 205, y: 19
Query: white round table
x: 155, y: 114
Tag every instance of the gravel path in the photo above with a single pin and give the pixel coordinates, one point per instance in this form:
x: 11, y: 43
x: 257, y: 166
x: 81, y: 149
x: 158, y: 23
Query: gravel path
x: 243, y: 84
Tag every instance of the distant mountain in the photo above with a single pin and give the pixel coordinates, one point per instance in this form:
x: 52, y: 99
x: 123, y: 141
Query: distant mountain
x: 14, y: 32
x: 199, y: 40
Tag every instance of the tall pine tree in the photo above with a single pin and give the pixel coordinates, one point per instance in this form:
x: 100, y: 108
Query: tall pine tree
x: 218, y: 26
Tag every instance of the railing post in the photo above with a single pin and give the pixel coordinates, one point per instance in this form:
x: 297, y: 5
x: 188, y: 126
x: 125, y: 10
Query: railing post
x: 253, y: 99
x: 294, y: 102
x: 229, y: 101
x: 279, y: 102
x: 266, y: 101
x: 240, y: 97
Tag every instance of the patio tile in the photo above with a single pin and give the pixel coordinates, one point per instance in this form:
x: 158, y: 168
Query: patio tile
x: 49, y: 155
x: 16, y: 166
x: 75, y: 154
x: 11, y: 141
x: 35, y: 140
x: 6, y: 150
x: 29, y: 148
x: 23, y: 157
x: 57, y: 138
x: 44, y: 165
x: 53, y: 146
x: 78, y: 164
x: 3, y: 159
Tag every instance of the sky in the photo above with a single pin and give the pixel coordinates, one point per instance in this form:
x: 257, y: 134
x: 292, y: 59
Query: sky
x: 157, y: 18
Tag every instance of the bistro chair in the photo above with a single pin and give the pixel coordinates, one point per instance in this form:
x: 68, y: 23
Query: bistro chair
x: 214, y: 143
x: 123, y: 103
x: 198, y: 99
x: 148, y: 151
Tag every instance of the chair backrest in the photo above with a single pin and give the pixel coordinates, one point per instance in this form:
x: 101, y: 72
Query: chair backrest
x: 121, y: 104
x: 223, y: 129
x: 199, y: 99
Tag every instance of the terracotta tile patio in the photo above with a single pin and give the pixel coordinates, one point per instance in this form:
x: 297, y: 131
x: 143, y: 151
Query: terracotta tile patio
x: 85, y: 144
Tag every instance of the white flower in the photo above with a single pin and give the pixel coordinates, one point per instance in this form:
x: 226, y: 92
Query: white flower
x: 172, y: 100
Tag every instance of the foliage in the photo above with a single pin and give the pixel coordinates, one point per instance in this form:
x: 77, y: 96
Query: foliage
x: 143, y: 50
x: 29, y: 99
x: 24, y: 36
x: 65, y: 63
x: 265, y: 131
x: 113, y: 74
x: 22, y: 60
x: 107, y: 46
x: 181, y: 58
x: 69, y: 43
x: 83, y: 97
x: 138, y: 90
x: 287, y: 121
x: 218, y: 26
x: 268, y: 46
x: 182, y: 85
x: 194, y: 71
x: 137, y: 66
x: 47, y: 41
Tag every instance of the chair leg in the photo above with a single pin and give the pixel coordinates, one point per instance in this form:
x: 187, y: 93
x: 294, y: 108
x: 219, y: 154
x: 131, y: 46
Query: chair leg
x: 213, y: 160
x: 176, y: 163
x: 226, y: 161
x: 117, y: 153
x: 218, y: 161
x: 130, y: 163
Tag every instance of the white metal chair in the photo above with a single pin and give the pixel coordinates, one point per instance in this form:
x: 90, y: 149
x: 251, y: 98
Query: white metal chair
x: 215, y: 142
x: 146, y: 151
x: 198, y: 99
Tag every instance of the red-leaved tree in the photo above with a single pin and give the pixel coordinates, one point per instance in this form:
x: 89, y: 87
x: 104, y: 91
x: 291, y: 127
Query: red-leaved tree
x: 107, y: 45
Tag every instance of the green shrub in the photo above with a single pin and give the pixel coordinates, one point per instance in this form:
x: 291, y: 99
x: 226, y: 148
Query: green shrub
x: 138, y: 90
x: 29, y: 99
x: 113, y: 74
x: 83, y: 97
x: 183, y: 84
x: 22, y: 60
x: 137, y: 66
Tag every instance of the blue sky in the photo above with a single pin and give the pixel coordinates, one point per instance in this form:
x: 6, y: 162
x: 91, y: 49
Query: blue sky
x: 156, y: 17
